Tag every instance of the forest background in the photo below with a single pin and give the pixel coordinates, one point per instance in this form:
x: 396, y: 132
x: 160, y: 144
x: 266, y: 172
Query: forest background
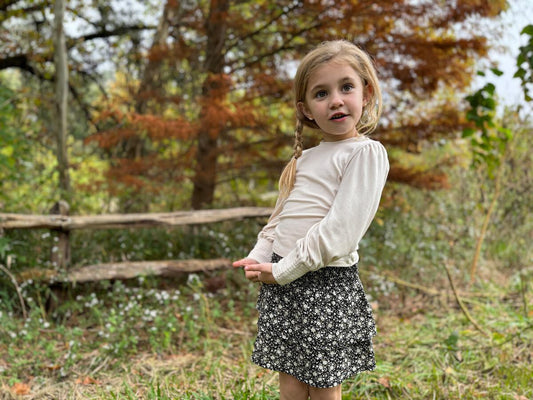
x: 173, y: 106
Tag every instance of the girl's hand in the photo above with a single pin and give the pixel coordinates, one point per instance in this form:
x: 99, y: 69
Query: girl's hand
x: 260, y: 273
x: 243, y: 262
x: 250, y: 275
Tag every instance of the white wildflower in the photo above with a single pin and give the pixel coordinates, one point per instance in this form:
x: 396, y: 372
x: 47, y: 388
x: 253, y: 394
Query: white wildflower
x: 193, y: 278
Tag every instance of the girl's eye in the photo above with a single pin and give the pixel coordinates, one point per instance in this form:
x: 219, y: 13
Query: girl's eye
x: 320, y: 94
x: 347, y: 87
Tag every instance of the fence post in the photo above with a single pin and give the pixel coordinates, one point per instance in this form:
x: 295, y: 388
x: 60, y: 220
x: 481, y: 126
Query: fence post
x: 60, y: 255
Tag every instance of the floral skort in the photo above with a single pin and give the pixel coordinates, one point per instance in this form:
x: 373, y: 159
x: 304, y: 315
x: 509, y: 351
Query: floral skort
x: 318, y: 328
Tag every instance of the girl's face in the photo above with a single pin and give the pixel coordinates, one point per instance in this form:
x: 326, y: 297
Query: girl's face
x: 334, y: 100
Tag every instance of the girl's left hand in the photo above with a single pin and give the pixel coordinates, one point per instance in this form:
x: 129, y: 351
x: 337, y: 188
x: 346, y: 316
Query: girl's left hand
x: 263, y: 273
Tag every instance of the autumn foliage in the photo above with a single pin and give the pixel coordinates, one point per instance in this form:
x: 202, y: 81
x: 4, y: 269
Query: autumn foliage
x: 233, y: 61
x: 206, y: 100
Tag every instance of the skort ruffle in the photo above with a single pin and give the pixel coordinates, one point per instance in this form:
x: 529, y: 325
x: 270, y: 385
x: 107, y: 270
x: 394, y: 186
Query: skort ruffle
x: 318, y: 328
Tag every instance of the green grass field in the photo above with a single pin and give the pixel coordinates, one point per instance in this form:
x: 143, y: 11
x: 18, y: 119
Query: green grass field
x: 148, y: 339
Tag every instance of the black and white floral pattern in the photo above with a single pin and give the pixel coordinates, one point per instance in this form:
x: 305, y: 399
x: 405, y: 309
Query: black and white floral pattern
x: 318, y: 328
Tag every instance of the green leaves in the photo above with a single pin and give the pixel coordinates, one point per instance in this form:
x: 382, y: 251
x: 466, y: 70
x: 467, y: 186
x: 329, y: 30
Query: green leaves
x: 6, y: 140
x: 4, y: 247
x: 524, y: 63
x: 488, y: 140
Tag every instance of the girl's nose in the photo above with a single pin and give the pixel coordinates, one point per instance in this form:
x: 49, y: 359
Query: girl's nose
x: 336, y: 100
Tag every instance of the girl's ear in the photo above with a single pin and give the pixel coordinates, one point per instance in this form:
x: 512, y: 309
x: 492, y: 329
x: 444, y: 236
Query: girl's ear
x: 303, y: 109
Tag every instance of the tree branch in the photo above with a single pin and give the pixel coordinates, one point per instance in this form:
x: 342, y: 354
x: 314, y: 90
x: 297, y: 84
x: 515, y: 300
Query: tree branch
x: 14, y: 281
x: 285, y: 46
x: 104, y: 33
x: 239, y: 41
x: 461, y: 304
x: 17, y: 61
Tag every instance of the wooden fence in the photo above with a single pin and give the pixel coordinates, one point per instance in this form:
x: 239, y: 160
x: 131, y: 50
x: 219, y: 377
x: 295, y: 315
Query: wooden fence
x: 61, y: 224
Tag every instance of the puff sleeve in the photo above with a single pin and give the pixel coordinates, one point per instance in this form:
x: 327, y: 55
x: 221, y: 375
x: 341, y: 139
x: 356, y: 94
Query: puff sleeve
x: 339, y: 232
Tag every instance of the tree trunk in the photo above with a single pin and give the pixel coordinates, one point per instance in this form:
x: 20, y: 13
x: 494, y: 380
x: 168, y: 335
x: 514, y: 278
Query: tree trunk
x: 61, y: 67
x: 206, y: 172
x: 205, y: 175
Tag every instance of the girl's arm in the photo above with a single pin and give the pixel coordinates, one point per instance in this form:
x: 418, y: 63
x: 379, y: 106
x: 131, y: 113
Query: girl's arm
x: 262, y: 251
x: 339, y: 232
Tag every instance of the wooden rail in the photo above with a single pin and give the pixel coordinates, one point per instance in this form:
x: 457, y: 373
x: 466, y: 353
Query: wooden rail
x: 132, y: 269
x: 122, y: 221
x: 61, y: 224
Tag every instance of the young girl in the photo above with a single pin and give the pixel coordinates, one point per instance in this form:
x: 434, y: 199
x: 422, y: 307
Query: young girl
x: 315, y: 325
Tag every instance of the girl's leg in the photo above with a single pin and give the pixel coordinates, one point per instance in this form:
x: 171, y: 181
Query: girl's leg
x: 291, y: 388
x: 332, y: 393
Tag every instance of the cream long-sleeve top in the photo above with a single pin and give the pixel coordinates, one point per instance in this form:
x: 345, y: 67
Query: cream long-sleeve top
x: 335, y: 197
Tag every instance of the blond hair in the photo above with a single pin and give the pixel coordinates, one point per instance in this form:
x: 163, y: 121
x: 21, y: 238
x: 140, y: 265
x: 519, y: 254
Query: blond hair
x: 360, y: 61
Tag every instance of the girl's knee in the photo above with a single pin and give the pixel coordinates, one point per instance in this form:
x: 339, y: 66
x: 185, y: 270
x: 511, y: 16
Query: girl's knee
x: 291, y: 388
x: 332, y: 393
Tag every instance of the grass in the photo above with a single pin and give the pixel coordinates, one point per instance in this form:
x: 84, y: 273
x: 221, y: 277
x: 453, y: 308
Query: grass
x: 149, y: 339
x: 174, y: 339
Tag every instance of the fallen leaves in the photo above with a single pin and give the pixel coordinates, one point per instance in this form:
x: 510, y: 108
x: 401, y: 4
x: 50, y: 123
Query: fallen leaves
x: 20, y: 388
x: 384, y: 381
x: 24, y: 389
x: 88, y: 381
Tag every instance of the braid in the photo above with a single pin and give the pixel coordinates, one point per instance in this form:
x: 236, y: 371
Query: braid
x: 288, y: 176
x: 298, y: 145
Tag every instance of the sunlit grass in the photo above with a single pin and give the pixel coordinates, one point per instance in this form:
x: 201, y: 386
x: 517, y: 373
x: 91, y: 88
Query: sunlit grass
x: 150, y: 340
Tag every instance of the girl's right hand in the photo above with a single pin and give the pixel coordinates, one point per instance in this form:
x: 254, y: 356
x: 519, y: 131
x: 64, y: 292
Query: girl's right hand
x: 244, y: 262
x: 250, y: 275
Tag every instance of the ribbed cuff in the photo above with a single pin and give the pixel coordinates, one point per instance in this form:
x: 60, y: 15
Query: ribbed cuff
x: 288, y: 269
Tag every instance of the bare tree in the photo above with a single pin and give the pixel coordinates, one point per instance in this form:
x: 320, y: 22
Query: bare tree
x: 61, y: 94
x: 61, y: 258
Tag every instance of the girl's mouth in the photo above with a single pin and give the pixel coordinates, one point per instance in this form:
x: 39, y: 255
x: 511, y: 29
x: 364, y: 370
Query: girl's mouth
x: 338, y: 116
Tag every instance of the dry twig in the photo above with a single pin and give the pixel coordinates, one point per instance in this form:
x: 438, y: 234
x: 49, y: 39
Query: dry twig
x: 461, y: 304
x: 24, y: 313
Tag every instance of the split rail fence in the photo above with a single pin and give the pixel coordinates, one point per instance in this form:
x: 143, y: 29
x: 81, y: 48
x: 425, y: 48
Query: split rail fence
x: 61, y: 224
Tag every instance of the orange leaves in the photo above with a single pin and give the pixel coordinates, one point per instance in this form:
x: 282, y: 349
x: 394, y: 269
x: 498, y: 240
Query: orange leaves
x: 146, y: 174
x: 111, y: 137
x: 384, y: 381
x: 265, y: 84
x: 87, y: 380
x: 24, y: 389
x: 20, y: 389
x: 215, y: 90
x: 490, y: 8
x: 218, y: 86
x: 158, y: 53
x: 217, y: 113
x: 158, y: 128
x: 421, y: 179
x: 133, y: 125
x: 215, y: 117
